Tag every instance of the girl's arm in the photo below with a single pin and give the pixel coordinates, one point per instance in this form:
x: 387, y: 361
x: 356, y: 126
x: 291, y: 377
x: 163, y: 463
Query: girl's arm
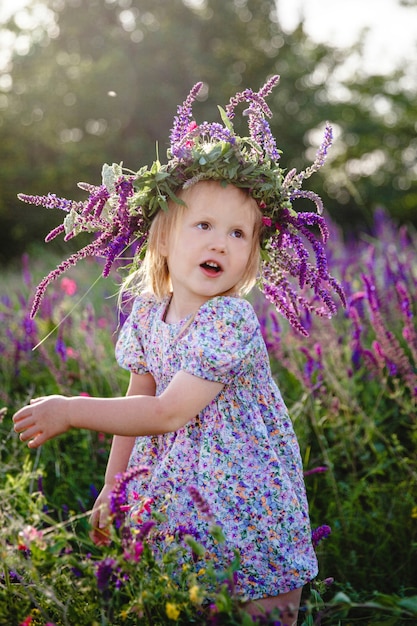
x: 183, y: 399
x: 121, y: 449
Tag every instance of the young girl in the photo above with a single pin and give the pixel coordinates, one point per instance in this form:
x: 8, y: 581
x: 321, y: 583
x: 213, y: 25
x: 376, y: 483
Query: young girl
x: 202, y: 409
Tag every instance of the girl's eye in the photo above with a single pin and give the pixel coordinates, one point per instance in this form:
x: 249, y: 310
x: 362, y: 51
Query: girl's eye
x: 237, y: 233
x: 203, y: 225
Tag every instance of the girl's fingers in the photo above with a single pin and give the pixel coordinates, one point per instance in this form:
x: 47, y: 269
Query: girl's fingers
x: 94, y: 518
x: 29, y: 433
x: 103, y: 516
x: 36, y: 442
x: 25, y: 411
x: 35, y: 400
x: 99, y: 521
x: 33, y: 438
x: 21, y: 414
x: 22, y: 424
x: 100, y: 536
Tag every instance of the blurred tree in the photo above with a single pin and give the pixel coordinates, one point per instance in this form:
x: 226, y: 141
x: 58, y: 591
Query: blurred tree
x: 94, y: 81
x: 377, y: 163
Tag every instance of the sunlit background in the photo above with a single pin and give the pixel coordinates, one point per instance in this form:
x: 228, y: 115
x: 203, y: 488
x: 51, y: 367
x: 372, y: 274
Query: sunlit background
x: 390, y: 26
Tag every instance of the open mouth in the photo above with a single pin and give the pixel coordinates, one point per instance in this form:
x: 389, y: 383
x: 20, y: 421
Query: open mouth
x: 211, y: 267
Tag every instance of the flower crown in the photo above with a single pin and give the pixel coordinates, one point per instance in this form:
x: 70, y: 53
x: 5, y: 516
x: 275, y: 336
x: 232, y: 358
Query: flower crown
x: 122, y: 208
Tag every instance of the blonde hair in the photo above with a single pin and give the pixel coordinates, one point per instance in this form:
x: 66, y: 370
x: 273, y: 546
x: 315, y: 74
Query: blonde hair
x: 153, y: 274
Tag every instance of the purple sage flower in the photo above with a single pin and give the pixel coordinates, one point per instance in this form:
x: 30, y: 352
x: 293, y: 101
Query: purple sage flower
x: 105, y: 573
x: 320, y: 533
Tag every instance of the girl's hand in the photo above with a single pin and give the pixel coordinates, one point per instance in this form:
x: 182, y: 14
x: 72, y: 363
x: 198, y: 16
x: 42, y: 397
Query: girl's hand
x: 100, y: 520
x: 43, y: 419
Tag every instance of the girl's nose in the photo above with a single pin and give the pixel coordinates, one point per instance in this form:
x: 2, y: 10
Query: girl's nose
x: 219, y: 244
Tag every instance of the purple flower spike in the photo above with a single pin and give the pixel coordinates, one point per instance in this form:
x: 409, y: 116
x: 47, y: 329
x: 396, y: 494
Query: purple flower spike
x: 183, y: 118
x: 387, y: 350
x: 257, y: 100
x: 316, y: 470
x: 409, y: 330
x: 51, y: 201
x: 55, y: 232
x: 200, y: 502
x: 321, y: 154
x: 269, y: 86
x: 105, y: 573
x: 319, y: 534
x: 118, y: 496
x: 145, y: 529
x: 88, y: 250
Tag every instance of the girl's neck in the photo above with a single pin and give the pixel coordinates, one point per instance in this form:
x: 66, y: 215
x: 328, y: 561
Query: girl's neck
x: 176, y: 312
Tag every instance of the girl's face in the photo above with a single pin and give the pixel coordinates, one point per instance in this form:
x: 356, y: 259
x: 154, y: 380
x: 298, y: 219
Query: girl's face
x: 209, y: 250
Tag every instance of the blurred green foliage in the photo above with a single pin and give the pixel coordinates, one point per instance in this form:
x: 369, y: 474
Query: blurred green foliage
x: 99, y: 81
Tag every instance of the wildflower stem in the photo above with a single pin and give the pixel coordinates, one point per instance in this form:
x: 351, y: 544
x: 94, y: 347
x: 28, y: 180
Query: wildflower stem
x: 67, y: 315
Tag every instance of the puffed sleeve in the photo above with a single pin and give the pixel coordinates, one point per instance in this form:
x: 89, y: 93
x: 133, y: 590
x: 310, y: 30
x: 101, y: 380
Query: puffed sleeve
x: 129, y: 346
x: 221, y: 340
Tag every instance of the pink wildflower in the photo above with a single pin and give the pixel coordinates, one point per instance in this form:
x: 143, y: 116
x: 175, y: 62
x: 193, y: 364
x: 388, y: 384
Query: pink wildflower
x: 191, y: 126
x: 102, y: 322
x: 145, y: 507
x: 135, y: 552
x: 68, y: 286
x: 31, y: 535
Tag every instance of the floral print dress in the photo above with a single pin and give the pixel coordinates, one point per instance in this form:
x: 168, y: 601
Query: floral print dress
x: 240, y: 452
